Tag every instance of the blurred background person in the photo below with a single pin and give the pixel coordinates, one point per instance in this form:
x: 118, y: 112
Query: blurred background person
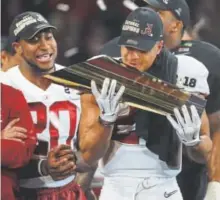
x: 9, y: 58
x: 84, y: 26
x: 18, y: 139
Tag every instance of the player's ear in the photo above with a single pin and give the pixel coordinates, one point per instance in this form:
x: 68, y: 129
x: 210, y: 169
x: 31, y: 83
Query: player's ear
x: 160, y: 46
x: 4, y: 58
x: 17, y: 47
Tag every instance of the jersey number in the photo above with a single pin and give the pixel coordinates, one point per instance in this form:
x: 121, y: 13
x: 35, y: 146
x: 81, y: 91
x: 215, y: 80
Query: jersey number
x: 189, y: 82
x: 69, y: 110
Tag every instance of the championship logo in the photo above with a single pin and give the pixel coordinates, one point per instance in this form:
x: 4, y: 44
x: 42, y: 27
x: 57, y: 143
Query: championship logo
x: 148, y: 30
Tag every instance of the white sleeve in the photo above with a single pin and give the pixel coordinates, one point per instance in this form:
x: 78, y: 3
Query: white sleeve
x: 192, y: 75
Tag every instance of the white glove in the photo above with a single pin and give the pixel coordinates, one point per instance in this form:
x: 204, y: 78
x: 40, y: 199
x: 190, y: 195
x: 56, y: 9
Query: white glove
x: 108, y: 99
x: 187, y: 128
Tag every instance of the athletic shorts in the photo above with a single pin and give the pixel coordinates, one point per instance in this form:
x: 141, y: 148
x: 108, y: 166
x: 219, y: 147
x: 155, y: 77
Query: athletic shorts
x: 124, y: 188
x: 71, y: 191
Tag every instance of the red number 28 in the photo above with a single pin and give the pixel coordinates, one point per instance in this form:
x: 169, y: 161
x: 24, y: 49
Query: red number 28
x: 41, y: 117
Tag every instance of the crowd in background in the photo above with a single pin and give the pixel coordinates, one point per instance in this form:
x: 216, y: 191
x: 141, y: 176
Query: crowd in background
x: 84, y: 27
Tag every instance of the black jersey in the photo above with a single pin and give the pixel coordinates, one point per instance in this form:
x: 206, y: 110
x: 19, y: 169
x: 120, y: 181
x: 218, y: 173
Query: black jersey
x: 193, y: 178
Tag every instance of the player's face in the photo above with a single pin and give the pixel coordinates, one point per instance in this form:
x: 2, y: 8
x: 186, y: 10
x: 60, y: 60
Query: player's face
x: 141, y: 60
x: 167, y: 18
x: 40, y: 51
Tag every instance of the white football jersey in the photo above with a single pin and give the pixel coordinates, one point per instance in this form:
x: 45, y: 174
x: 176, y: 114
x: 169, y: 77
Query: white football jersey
x: 56, y: 113
x: 130, y: 157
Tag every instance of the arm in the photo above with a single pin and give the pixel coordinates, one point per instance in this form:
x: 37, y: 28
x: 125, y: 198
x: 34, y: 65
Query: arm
x: 201, y: 152
x: 85, y: 180
x: 214, y: 159
x: 16, y: 153
x: 59, y: 164
x: 94, y: 138
x: 99, y: 114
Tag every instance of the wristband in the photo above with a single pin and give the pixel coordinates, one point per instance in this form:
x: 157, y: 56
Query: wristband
x: 105, y: 123
x: 39, y: 167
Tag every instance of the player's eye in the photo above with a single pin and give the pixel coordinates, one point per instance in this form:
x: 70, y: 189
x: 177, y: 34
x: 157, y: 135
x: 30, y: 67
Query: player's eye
x: 33, y: 40
x: 49, y: 36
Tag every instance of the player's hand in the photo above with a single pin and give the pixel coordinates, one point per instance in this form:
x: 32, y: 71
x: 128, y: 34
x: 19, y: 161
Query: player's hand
x: 187, y: 127
x: 60, y: 163
x: 12, y: 132
x: 108, y: 99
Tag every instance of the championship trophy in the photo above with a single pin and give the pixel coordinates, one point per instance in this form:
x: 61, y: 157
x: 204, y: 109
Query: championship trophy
x: 143, y: 90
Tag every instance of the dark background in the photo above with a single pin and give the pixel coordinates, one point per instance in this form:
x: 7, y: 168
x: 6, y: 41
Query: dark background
x: 83, y: 27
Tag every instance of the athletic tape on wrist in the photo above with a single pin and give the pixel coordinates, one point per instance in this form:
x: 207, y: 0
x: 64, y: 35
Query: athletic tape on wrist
x: 105, y: 123
x: 39, y: 167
